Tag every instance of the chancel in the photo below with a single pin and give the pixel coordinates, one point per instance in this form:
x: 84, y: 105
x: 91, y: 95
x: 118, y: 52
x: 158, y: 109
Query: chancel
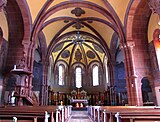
x: 79, y: 60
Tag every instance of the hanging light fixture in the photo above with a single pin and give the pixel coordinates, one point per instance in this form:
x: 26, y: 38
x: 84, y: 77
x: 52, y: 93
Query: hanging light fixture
x: 78, y: 39
x: 154, y: 5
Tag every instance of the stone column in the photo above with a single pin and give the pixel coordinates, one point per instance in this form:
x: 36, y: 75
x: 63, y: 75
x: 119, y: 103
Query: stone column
x: 133, y: 84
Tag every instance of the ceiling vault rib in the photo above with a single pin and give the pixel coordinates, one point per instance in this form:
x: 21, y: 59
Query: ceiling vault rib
x: 101, y: 39
x: 95, y: 53
x: 71, y: 57
x: 96, y: 44
x: 69, y: 33
x: 78, y: 20
x: 83, y: 53
x: 117, y: 21
x: 69, y: 4
x: 55, y: 40
x: 43, y: 9
x: 60, y: 54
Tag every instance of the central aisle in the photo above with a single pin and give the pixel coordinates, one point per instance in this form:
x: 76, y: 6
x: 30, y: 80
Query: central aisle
x: 79, y: 116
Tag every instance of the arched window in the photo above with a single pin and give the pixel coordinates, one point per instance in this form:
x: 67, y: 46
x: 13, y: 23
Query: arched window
x: 106, y: 68
x: 61, y: 75
x: 95, y: 76
x: 78, y: 77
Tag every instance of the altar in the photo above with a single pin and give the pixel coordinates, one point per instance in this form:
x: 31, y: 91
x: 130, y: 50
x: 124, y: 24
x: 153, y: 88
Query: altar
x: 79, y: 103
x: 78, y: 99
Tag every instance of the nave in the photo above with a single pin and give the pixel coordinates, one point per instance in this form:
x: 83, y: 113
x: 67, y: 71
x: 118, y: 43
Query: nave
x: 79, y: 116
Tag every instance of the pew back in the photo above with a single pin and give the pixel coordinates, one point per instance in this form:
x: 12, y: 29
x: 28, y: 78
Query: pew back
x: 26, y: 113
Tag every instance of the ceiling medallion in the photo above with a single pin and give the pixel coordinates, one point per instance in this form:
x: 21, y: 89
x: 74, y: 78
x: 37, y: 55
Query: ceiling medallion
x: 78, y: 11
x: 3, y: 3
x: 154, y: 5
x: 78, y: 26
x: 78, y: 39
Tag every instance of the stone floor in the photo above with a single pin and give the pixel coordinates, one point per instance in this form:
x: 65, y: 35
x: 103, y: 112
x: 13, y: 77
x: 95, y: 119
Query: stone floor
x: 79, y: 116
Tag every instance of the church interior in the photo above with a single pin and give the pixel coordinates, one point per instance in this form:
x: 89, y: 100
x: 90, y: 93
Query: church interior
x: 99, y: 56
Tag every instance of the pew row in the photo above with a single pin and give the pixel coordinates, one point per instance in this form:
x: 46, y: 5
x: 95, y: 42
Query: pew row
x: 124, y: 113
x: 34, y: 113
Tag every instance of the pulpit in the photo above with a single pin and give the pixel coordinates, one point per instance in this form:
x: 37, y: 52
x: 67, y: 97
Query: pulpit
x: 23, y: 87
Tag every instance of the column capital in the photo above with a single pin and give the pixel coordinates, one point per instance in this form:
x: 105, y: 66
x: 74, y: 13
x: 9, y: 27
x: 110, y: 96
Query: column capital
x: 132, y: 76
x: 129, y: 43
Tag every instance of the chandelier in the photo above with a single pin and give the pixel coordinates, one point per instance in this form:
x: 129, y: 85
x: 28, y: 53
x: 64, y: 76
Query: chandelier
x: 78, y: 39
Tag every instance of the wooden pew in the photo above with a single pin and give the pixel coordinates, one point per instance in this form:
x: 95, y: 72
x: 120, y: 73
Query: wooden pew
x: 127, y: 114
x: 27, y: 113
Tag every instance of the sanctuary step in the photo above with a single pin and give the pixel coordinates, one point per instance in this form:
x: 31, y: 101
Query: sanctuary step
x: 80, y: 116
x: 79, y: 109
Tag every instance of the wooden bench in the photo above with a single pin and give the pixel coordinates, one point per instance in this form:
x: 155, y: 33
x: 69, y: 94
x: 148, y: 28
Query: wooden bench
x: 126, y: 113
x: 32, y: 113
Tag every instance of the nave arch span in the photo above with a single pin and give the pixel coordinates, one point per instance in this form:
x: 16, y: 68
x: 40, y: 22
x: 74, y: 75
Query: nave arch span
x: 136, y: 35
x: 39, y: 22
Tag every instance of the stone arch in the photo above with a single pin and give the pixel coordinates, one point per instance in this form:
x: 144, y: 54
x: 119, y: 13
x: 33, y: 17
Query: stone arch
x: 19, y: 32
x: 44, y: 13
x: 86, y: 4
x: 138, y: 19
x: 65, y: 66
x: 136, y: 35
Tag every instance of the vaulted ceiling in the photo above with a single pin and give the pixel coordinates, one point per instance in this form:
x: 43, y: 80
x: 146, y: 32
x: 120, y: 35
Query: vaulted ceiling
x: 64, y: 22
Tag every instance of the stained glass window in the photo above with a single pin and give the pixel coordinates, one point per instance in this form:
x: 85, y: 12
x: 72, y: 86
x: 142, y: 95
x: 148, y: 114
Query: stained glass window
x: 95, y: 76
x: 61, y: 75
x: 78, y: 77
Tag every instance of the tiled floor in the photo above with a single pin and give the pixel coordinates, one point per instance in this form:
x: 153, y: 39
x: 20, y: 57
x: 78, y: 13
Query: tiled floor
x: 79, y: 116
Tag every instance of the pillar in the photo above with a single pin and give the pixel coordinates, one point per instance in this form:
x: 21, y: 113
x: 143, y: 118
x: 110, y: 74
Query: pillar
x: 133, y: 83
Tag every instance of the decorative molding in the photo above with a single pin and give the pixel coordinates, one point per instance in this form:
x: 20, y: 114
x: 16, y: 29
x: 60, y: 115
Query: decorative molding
x: 90, y: 54
x: 3, y: 3
x: 66, y: 21
x: 78, y: 11
x: 65, y: 54
x: 154, y: 6
x: 78, y: 26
